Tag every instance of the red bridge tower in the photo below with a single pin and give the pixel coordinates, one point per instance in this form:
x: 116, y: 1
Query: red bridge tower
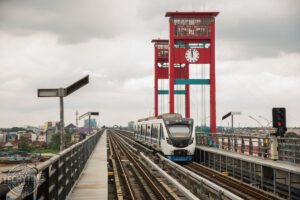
x: 192, y: 41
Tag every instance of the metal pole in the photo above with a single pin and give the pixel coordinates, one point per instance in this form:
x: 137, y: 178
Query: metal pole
x: 61, y: 106
x: 232, y: 123
x: 89, y: 123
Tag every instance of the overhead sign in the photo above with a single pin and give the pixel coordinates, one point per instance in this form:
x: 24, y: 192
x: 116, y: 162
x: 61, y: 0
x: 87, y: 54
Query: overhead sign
x: 94, y: 113
x: 88, y: 114
x: 77, y: 85
x: 236, y: 113
x: 231, y: 113
x: 225, y: 116
x: 48, y: 92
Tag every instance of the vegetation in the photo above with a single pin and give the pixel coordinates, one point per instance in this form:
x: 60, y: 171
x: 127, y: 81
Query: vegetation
x: 55, y: 141
x: 23, y: 145
x: 14, y: 129
x: 45, y: 150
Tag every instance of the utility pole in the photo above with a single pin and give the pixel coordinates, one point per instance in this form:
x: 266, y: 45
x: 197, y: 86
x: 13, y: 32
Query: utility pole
x: 61, y: 93
x: 89, y: 124
x: 89, y: 115
x: 62, y: 123
x: 231, y: 114
x: 76, y: 122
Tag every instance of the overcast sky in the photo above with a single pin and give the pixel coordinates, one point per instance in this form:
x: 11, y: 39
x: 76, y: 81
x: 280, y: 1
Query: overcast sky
x: 49, y: 44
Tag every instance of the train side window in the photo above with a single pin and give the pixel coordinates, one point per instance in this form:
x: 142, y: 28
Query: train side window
x: 144, y: 129
x: 148, y: 130
x: 162, y: 132
x: 154, y: 131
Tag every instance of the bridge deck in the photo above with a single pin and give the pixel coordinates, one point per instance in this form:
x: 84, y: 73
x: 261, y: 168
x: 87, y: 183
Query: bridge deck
x: 93, y: 181
x: 252, y: 159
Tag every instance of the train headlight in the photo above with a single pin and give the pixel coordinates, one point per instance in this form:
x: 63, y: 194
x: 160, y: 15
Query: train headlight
x: 169, y: 141
x: 191, y: 141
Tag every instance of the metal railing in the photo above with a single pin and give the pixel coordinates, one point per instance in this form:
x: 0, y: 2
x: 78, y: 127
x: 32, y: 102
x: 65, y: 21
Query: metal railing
x: 61, y: 172
x: 245, y: 144
x: 289, y: 150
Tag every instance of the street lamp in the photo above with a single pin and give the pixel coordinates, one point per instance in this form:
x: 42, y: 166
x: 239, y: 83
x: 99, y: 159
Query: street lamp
x: 268, y: 122
x: 89, y: 114
x: 257, y: 122
x: 231, y: 114
x: 61, y: 93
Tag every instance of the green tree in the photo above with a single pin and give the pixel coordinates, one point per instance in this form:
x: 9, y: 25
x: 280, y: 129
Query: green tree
x: 68, y: 139
x: 55, y: 141
x: 23, y: 145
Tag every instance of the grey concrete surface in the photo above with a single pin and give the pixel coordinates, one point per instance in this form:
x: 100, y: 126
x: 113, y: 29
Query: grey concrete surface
x: 92, y: 184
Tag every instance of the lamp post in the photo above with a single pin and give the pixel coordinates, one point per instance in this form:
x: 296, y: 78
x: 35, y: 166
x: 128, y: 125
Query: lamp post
x: 257, y: 122
x: 231, y: 114
x: 268, y: 122
x: 89, y: 115
x: 61, y: 93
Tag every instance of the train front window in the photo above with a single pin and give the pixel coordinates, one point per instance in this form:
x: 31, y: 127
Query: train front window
x: 179, y: 130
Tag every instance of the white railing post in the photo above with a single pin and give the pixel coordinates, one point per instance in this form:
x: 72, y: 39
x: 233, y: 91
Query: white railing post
x: 273, y: 148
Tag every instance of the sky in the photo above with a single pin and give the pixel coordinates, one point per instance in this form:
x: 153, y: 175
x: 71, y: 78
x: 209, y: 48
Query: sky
x: 52, y: 43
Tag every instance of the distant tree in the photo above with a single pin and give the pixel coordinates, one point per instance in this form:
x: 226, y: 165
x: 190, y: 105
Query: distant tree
x: 291, y: 135
x: 68, y: 139
x: 55, y: 142
x: 23, y: 145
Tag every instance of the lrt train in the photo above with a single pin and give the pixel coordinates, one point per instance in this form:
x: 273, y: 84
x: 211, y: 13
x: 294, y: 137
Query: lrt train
x: 169, y: 134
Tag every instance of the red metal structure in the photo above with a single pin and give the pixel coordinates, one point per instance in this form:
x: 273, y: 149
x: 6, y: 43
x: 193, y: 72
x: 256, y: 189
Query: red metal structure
x: 192, y: 41
x: 161, y: 57
x: 161, y: 71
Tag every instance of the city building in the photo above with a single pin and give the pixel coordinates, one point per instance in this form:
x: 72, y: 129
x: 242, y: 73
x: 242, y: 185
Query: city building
x: 12, y: 136
x: 38, y: 144
x: 71, y: 128
x: 13, y: 145
x: 41, y: 138
x: 49, y: 133
x: 75, y: 138
x: 27, y: 136
x: 3, y: 137
x: 50, y: 124
x: 33, y: 137
x: 93, y: 123
x: 130, y: 124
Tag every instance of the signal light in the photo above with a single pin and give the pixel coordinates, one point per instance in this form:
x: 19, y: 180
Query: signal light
x: 278, y: 117
x: 279, y: 120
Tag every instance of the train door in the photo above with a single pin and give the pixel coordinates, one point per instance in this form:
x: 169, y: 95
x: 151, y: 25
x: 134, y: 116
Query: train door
x: 148, y: 133
x: 138, y: 135
x: 158, y: 134
x: 143, y: 132
x: 152, y: 134
x: 162, y: 132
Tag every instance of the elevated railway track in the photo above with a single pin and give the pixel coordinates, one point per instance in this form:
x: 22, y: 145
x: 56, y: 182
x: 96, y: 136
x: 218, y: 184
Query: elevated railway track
x: 137, y: 179
x: 200, y: 180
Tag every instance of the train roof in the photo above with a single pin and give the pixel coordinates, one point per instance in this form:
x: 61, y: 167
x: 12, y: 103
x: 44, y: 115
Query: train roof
x: 163, y: 116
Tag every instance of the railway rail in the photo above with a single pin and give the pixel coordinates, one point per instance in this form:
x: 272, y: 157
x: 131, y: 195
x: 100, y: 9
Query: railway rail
x: 137, y: 182
x: 227, y: 184
x: 241, y: 189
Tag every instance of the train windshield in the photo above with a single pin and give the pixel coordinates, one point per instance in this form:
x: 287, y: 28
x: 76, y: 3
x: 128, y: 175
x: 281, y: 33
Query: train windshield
x: 179, y: 130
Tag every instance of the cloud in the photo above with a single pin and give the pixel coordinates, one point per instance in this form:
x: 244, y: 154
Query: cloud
x: 45, y: 44
x: 72, y: 20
